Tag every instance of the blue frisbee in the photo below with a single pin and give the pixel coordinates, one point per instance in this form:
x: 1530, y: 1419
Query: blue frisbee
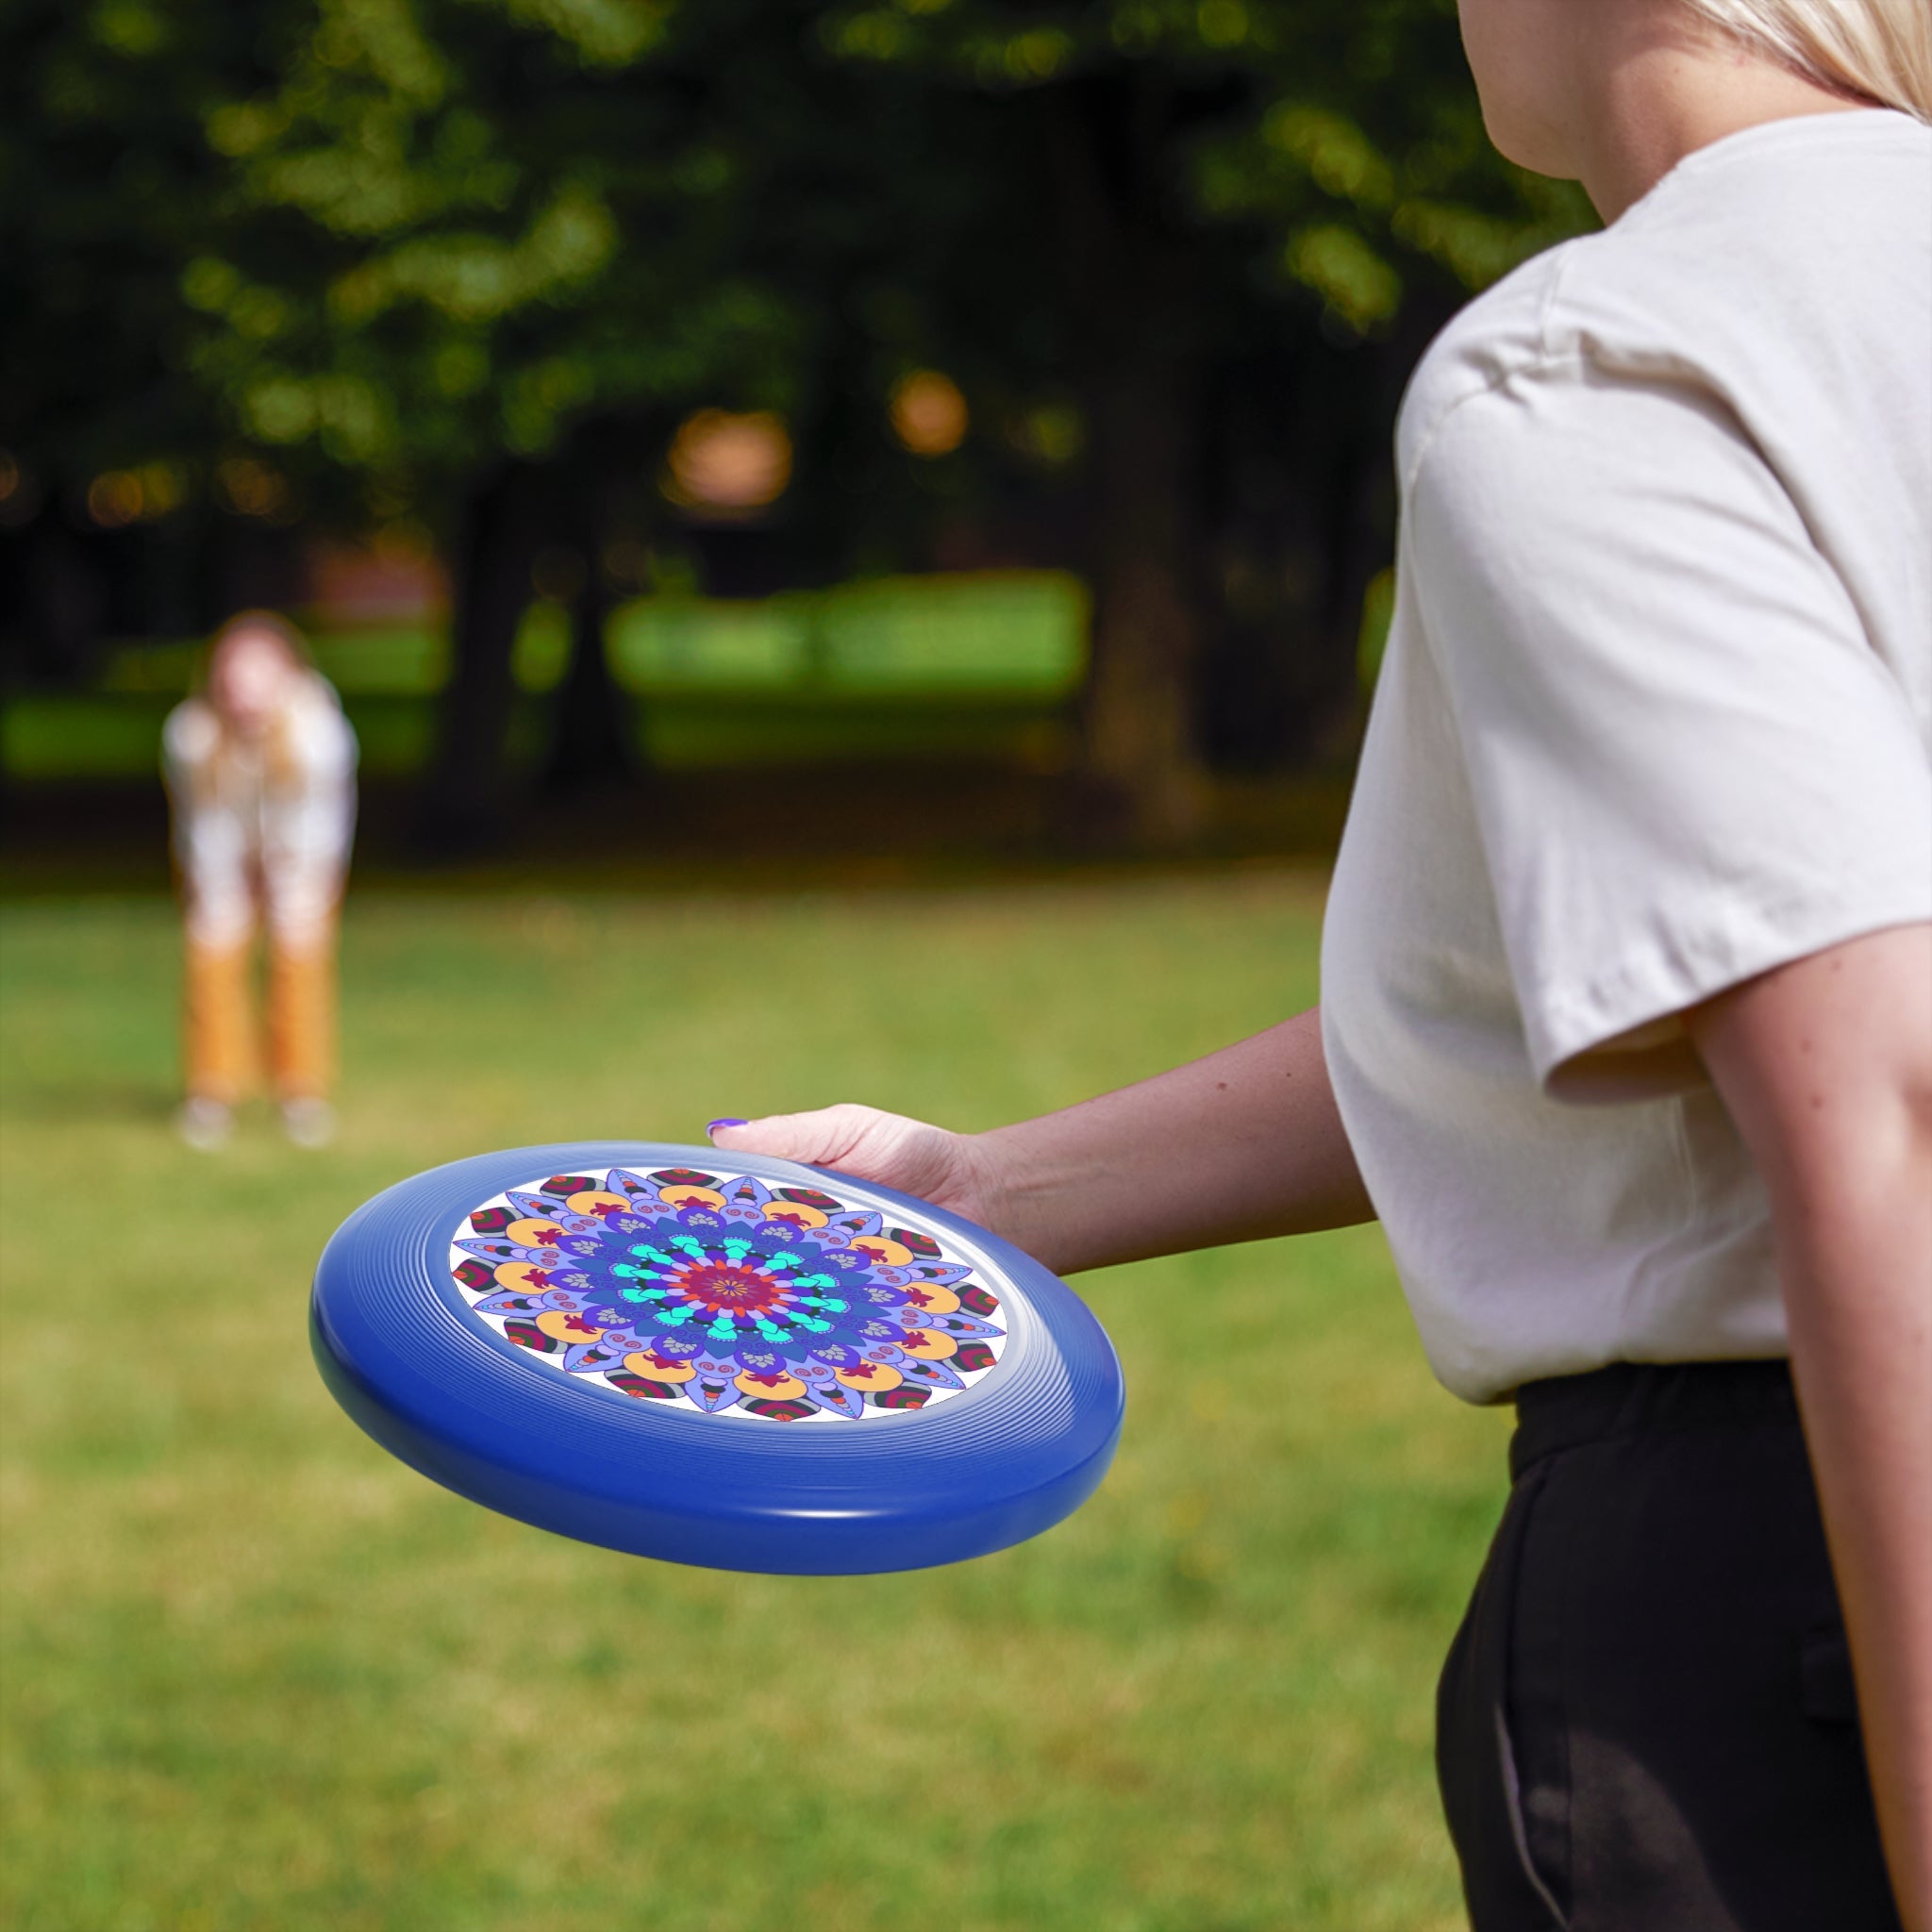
x: 716, y: 1359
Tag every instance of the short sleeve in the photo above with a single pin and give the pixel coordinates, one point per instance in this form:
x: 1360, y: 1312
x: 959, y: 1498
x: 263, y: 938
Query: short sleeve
x: 1689, y: 763
x: 322, y: 737
x: 188, y: 741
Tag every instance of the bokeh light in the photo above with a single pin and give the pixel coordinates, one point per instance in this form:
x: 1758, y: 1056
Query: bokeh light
x: 1050, y: 433
x: 727, y: 464
x: 929, y: 415
x: 114, y: 499
x: 250, y: 489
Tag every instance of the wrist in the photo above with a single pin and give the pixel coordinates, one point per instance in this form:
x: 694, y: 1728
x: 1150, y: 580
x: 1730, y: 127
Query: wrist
x: 1020, y: 1193
x: 992, y: 1193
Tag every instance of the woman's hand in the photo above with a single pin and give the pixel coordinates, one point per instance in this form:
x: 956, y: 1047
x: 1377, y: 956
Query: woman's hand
x: 949, y: 1170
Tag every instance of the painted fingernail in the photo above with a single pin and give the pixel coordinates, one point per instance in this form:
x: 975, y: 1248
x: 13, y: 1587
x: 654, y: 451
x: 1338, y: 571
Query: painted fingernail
x: 714, y: 1125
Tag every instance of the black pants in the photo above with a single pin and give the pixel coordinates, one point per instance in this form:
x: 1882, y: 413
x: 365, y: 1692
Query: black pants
x: 1646, y: 1721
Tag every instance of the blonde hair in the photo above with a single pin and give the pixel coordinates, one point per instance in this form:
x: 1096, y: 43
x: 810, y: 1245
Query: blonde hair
x: 1878, y: 50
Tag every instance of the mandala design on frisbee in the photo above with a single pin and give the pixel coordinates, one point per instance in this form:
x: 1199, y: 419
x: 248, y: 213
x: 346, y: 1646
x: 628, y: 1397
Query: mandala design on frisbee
x: 782, y: 1304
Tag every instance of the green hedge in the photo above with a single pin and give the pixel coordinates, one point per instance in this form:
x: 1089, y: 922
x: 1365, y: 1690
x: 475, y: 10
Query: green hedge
x: 978, y: 665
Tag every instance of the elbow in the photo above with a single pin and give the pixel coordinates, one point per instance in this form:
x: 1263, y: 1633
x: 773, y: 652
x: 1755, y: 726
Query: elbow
x: 1859, y: 1176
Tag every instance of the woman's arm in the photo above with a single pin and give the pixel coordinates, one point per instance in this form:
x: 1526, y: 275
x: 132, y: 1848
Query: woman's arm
x: 1244, y: 1145
x: 1827, y: 1068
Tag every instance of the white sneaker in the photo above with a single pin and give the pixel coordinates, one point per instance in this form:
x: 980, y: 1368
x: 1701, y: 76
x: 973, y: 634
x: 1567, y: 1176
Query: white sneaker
x: 308, y: 1122
x: 204, y: 1124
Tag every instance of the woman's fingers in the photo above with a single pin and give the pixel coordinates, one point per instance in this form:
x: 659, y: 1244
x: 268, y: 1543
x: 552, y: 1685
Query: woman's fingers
x: 817, y: 1138
x: 862, y: 1140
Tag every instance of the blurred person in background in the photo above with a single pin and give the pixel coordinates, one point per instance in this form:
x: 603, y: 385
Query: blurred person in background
x: 1626, y: 1020
x: 261, y: 769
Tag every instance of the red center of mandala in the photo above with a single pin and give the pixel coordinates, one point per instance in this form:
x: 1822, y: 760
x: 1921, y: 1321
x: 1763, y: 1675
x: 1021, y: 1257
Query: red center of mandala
x: 719, y: 1285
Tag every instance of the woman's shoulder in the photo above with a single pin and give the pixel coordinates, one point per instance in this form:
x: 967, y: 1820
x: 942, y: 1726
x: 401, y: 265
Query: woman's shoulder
x: 1501, y: 333
x: 315, y: 695
x: 319, y: 732
x: 191, y: 733
x: 1756, y: 263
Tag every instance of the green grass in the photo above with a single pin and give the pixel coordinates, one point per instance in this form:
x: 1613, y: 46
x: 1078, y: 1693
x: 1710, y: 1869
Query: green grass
x: 256, y: 1674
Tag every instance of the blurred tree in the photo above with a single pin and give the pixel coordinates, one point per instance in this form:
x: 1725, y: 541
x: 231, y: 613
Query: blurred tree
x: 531, y: 238
x: 107, y: 189
x: 515, y: 228
x: 469, y: 262
x: 1234, y: 194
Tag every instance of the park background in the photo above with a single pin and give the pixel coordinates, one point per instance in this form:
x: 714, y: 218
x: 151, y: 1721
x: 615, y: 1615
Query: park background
x: 855, y: 539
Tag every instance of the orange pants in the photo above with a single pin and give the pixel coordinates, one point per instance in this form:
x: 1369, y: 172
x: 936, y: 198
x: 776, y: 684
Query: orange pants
x: 222, y: 1045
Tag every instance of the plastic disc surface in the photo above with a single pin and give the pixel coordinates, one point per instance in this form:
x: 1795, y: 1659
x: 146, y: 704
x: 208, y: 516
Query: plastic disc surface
x: 717, y: 1359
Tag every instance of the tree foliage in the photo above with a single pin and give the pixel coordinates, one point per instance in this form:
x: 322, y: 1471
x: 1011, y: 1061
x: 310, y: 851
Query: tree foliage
x: 418, y: 254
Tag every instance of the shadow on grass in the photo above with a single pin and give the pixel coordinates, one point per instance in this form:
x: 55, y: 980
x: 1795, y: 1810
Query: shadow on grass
x: 769, y: 829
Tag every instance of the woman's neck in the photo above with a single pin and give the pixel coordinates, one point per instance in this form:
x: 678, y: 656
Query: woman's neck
x: 1656, y: 96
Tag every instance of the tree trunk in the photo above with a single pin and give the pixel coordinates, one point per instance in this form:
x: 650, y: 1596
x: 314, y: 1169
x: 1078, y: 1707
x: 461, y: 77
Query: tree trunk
x: 593, y: 743
x: 1133, y: 304
x: 592, y: 747
x: 62, y: 601
x: 469, y: 800
x: 1139, y: 736
x: 1359, y: 483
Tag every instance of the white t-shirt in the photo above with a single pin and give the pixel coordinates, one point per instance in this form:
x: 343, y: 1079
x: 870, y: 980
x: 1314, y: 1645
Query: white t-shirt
x: 1655, y: 716
x: 246, y: 830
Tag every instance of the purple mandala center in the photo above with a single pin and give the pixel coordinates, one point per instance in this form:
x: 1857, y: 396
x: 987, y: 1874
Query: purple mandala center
x: 743, y: 1291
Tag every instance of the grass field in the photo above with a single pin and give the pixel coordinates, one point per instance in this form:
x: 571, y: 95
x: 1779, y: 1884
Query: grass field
x: 258, y: 1676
